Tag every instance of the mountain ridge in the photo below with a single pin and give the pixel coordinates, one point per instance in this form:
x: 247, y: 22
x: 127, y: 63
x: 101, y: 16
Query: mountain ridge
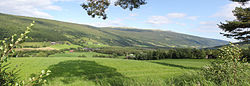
x: 54, y: 30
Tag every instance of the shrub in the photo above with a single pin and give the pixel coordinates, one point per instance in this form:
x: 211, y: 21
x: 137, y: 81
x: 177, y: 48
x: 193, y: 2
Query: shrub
x: 189, y: 79
x: 105, y: 56
x: 82, y: 55
x: 35, y: 53
x: 228, y: 69
x: 8, y: 75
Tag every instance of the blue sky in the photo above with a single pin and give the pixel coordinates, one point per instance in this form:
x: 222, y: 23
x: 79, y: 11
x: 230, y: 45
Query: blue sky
x: 194, y: 17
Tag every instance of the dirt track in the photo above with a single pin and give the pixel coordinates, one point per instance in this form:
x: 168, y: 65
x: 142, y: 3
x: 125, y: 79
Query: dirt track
x: 29, y: 49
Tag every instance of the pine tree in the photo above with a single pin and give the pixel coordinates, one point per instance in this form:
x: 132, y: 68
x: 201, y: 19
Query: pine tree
x: 240, y: 27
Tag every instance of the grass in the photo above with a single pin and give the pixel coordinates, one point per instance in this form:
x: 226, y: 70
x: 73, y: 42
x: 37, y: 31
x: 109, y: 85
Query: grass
x: 35, y: 44
x: 75, y: 54
x: 93, y: 45
x: 68, y: 71
x: 64, y: 46
x: 183, y: 63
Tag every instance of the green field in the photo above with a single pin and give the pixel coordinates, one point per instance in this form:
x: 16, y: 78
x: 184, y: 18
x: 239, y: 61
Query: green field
x: 75, y: 54
x: 73, y: 71
x: 64, y: 46
x: 35, y: 44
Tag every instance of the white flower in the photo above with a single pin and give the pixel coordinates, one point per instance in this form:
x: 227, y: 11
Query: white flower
x: 44, y: 81
x: 48, y: 71
x: 30, y: 79
x: 43, y: 72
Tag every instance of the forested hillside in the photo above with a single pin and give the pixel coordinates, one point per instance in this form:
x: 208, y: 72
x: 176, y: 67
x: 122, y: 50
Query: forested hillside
x: 51, y: 30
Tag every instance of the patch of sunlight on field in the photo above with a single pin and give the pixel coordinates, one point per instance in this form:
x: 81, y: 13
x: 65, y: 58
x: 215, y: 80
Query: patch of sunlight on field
x: 64, y: 46
x: 75, y: 54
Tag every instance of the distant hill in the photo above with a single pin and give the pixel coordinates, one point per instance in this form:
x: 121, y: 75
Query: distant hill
x: 52, y: 30
x: 242, y: 45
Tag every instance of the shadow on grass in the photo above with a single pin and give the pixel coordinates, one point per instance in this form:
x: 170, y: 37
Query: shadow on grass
x: 88, y: 70
x: 179, y: 66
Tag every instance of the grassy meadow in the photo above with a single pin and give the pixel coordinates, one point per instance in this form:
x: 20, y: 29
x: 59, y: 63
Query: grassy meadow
x: 75, y: 71
x: 75, y: 54
x: 64, y: 46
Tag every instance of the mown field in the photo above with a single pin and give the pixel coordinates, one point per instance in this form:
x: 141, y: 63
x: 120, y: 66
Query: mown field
x: 90, y: 71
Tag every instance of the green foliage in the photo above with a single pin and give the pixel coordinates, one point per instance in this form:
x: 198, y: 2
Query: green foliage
x: 35, y: 53
x: 120, y: 51
x: 190, y: 79
x: 179, y: 53
x: 38, y: 79
x: 8, y: 76
x: 106, y: 56
x: 228, y: 69
x: 7, y: 47
x: 98, y: 7
x: 239, y: 28
x: 156, y: 54
x: 246, y: 54
x: 243, y: 2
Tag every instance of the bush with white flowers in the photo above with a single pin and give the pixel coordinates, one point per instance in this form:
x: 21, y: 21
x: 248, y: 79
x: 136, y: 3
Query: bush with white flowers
x: 8, y: 75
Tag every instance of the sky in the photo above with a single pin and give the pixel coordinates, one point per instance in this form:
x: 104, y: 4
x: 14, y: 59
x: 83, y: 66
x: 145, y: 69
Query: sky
x: 193, y: 17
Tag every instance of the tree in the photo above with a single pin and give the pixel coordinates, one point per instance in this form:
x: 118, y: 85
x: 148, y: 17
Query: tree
x: 241, y: 1
x: 98, y: 7
x: 238, y: 28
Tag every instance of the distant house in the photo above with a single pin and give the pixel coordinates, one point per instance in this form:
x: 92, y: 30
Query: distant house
x: 60, y: 42
x: 130, y: 56
x: 71, y: 51
x: 210, y: 57
x: 68, y: 43
x: 53, y: 43
x: 88, y: 49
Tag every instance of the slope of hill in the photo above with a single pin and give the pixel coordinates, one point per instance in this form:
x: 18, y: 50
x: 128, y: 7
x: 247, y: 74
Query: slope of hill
x: 52, y: 30
x: 242, y: 45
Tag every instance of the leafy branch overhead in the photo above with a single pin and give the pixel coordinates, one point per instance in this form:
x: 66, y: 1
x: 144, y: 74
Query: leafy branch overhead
x: 243, y: 2
x: 99, y: 7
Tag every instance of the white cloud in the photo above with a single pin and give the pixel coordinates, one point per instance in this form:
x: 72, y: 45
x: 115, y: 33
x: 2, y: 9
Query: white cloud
x: 208, y: 26
x: 176, y: 15
x: 33, y: 8
x: 226, y: 11
x: 133, y: 14
x: 208, y: 23
x: 158, y: 20
x: 192, y: 17
x: 182, y: 24
x: 112, y: 2
x: 109, y: 23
